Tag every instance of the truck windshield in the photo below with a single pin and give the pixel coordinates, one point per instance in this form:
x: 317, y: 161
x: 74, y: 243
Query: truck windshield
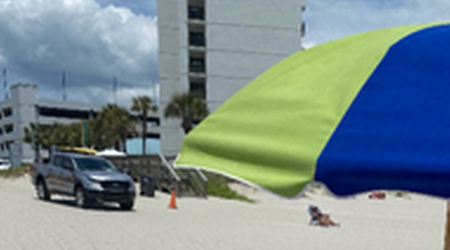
x: 94, y: 164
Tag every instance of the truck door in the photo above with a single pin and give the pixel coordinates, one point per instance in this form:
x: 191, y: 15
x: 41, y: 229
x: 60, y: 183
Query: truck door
x: 66, y: 176
x: 53, y: 169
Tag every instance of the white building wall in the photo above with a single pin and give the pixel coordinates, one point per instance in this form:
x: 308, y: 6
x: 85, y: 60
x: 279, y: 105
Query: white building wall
x: 243, y: 39
x: 170, y: 64
x: 23, y: 98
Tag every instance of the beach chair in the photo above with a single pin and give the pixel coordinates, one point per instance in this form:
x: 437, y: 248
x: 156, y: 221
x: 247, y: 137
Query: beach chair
x: 314, y: 220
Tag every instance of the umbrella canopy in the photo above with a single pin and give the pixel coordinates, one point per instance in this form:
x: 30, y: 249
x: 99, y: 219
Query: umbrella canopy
x: 370, y: 111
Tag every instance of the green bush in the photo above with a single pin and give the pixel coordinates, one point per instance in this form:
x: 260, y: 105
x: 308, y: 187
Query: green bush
x: 218, y: 187
x: 15, y: 172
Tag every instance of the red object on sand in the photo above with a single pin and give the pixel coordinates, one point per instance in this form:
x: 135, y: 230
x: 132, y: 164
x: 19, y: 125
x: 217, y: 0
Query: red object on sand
x: 377, y: 195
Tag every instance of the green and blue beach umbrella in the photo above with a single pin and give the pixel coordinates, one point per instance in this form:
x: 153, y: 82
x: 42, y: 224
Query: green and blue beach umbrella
x: 370, y: 111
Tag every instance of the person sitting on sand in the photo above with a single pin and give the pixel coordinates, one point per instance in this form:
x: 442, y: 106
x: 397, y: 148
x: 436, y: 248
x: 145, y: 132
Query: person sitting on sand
x: 321, y: 218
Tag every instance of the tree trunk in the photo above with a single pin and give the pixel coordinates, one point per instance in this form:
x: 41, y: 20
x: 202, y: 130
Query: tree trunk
x: 447, y: 229
x: 123, y: 141
x: 186, y: 124
x: 144, y: 131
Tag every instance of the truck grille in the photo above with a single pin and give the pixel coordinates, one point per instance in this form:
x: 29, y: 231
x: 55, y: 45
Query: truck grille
x: 115, y: 186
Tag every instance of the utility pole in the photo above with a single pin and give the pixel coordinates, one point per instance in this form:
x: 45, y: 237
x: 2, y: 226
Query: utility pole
x: 114, y: 89
x: 64, y: 96
x: 5, y: 83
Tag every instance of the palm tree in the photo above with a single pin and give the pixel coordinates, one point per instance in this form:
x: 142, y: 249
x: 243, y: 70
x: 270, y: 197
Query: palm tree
x: 190, y: 109
x: 63, y: 135
x: 34, y: 137
x: 143, y: 104
x: 112, y: 126
x: 72, y: 134
x: 95, y: 127
x: 43, y: 136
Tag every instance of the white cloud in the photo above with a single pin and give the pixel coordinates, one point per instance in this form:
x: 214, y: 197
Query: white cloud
x: 2, y: 58
x: 330, y: 19
x: 123, y: 96
x: 146, y: 7
x: 40, y: 38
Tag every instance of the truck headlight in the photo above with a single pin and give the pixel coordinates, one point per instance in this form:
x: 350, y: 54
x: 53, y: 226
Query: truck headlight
x: 93, y: 185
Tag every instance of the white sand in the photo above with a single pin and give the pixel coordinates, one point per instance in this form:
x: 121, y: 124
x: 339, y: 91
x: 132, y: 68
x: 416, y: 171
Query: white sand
x: 415, y: 222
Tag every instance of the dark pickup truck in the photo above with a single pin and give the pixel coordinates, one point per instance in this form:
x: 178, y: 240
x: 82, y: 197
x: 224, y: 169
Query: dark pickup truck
x: 88, y: 178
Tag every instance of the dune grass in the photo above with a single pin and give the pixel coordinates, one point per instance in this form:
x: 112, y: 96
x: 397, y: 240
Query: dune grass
x: 15, y: 172
x: 218, y: 187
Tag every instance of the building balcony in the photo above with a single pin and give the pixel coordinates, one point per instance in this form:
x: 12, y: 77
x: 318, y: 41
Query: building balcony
x: 197, y: 69
x: 197, y: 65
x: 197, y: 74
x: 197, y: 41
x: 196, y: 13
x: 198, y: 89
x: 196, y: 38
x: 197, y: 49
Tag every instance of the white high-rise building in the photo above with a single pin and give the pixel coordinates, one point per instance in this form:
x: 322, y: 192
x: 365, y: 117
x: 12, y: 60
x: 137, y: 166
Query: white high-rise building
x: 212, y: 48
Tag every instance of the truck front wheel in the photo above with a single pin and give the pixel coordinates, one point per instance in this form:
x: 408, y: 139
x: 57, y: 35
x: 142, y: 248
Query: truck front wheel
x: 80, y: 198
x: 42, y: 191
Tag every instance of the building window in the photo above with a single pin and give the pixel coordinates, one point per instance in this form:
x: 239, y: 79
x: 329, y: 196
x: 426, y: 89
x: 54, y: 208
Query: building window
x: 303, y: 29
x: 9, y: 128
x: 197, y: 39
x: 66, y: 113
x: 197, y: 65
x: 8, y: 145
x: 196, y: 13
x: 7, y: 112
x: 198, y: 88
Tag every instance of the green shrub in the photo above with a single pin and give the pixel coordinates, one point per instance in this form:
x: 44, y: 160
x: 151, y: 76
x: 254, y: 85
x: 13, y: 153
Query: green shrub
x: 15, y: 172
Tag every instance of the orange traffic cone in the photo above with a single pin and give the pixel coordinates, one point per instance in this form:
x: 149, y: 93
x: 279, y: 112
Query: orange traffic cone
x: 173, y: 198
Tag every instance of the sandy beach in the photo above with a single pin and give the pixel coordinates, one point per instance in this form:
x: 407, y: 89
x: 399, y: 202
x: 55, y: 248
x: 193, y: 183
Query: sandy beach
x: 409, y: 222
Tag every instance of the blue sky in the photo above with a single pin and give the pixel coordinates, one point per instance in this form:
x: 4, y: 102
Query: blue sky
x: 93, y: 41
x: 332, y: 19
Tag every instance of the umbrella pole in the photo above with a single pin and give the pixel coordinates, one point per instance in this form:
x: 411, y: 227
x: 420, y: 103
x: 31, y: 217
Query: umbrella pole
x: 447, y: 229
